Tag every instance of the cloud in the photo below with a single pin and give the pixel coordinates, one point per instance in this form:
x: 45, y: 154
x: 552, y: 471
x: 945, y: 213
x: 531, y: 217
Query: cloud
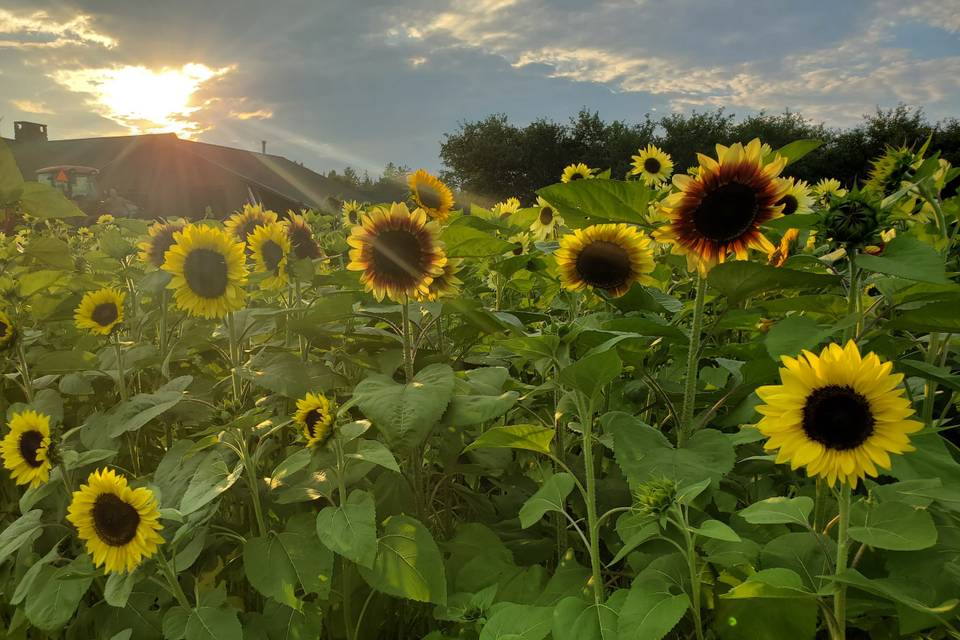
x: 29, y: 106
x: 259, y: 114
x: 39, y: 29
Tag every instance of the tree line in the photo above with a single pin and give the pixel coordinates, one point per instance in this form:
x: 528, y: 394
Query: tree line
x: 492, y: 159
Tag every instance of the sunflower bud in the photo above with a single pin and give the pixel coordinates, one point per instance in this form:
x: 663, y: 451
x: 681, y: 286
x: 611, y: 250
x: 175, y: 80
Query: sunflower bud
x: 655, y: 496
x: 852, y: 220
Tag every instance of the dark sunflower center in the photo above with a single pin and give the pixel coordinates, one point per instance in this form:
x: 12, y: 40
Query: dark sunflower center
x: 3, y: 329
x: 158, y: 248
x: 429, y: 197
x: 272, y: 255
x: 727, y: 212
x: 576, y: 176
x: 837, y: 417
x: 651, y: 165
x: 397, y: 255
x: 546, y: 216
x: 604, y: 265
x: 517, y: 248
x: 105, y: 314
x: 789, y: 203
x: 114, y: 520
x: 312, y: 418
x: 247, y: 228
x: 205, y: 271
x: 29, y: 444
x: 303, y: 243
x: 353, y: 217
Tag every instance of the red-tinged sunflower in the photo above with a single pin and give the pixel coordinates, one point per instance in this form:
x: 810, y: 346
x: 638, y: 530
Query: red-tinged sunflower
x: 398, y: 251
x: 304, y: 245
x: 838, y: 414
x: 159, y: 240
x: 241, y: 224
x: 431, y: 195
x: 574, y: 172
x: 270, y: 246
x: 314, y: 418
x: 8, y: 332
x: 447, y: 283
x: 609, y: 257
x: 25, y: 448
x: 208, y: 270
x: 120, y: 526
x: 100, y: 311
x: 720, y: 211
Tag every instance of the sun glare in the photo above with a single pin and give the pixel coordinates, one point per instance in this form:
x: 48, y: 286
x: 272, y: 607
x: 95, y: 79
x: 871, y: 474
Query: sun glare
x: 145, y: 100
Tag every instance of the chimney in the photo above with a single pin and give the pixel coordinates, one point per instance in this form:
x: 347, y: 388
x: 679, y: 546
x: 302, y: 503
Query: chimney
x: 29, y: 131
x: 263, y: 147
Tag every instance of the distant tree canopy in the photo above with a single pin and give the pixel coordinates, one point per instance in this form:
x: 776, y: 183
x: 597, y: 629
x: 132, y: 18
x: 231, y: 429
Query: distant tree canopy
x: 491, y: 159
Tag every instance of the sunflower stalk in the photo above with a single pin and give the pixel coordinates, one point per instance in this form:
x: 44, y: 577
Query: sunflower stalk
x: 121, y: 374
x: 405, y: 335
x: 162, y: 326
x: 250, y: 472
x: 25, y: 371
x: 585, y: 409
x: 690, y: 382
x: 843, y: 544
x: 234, y: 354
x: 693, y: 566
x: 173, y: 585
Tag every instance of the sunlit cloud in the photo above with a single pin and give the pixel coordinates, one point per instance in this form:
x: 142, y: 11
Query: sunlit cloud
x: 145, y: 100
x: 39, y: 29
x: 259, y: 114
x: 29, y: 106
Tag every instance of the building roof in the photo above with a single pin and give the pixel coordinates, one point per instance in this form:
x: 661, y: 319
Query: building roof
x: 166, y: 176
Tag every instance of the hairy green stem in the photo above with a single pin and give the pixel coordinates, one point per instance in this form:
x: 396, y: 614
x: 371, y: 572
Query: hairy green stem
x: 853, y: 297
x: 121, y: 374
x: 693, y: 569
x: 593, y: 524
x: 407, y: 351
x: 170, y: 574
x: 843, y: 546
x: 234, y: 358
x: 24, y: 370
x: 690, y: 383
x: 250, y: 472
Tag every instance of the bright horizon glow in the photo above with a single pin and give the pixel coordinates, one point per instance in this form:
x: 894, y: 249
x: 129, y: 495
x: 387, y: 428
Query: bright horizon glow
x: 144, y: 100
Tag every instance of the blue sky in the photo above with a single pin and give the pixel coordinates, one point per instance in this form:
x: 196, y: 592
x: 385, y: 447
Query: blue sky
x: 370, y: 81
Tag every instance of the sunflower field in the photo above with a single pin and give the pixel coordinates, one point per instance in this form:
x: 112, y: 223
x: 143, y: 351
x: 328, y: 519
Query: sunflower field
x: 712, y: 404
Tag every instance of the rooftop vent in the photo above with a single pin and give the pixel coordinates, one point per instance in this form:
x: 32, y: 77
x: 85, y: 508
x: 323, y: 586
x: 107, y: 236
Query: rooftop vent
x: 29, y: 131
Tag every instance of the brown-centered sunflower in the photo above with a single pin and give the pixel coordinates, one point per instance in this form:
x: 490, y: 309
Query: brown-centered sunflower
x: 838, y: 414
x: 575, y: 172
x: 720, y: 211
x: 351, y: 210
x: 270, y: 246
x: 445, y: 284
x: 100, y: 311
x: 398, y: 251
x: 8, y: 332
x: 208, y: 270
x: 159, y: 240
x: 431, y: 194
x: 26, y: 448
x: 797, y: 201
x: 304, y: 245
x: 506, y: 208
x: 314, y: 418
x: 653, y: 165
x: 546, y: 222
x: 241, y: 224
x: 119, y: 525
x: 609, y: 257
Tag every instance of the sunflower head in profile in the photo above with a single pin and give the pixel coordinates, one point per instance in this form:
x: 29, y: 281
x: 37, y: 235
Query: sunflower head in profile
x: 855, y: 219
x: 106, y: 219
x: 8, y: 332
x: 314, y: 418
x: 781, y: 252
x: 606, y: 257
x: 302, y: 241
x: 398, y: 251
x: 208, y: 270
x: 578, y: 171
x: 546, y: 222
x: 720, y: 211
x: 506, y: 208
x: 446, y: 284
x: 100, y: 311
x: 838, y: 414
x: 653, y: 165
x: 828, y: 188
x: 270, y: 245
x: 430, y: 194
x: 520, y: 242
x: 160, y: 239
x: 351, y: 210
x: 26, y: 448
x: 888, y: 172
x: 242, y: 223
x: 119, y: 525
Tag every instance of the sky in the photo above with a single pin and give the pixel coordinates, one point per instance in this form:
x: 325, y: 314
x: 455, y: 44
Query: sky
x: 366, y: 82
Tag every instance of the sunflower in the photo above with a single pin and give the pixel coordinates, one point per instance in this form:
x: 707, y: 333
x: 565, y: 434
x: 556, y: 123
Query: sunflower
x: 105, y: 219
x: 25, y: 449
x: 8, y: 331
x: 721, y: 210
x: 241, y: 224
x: 610, y: 257
x: 838, y: 414
x: 352, y: 210
x: 828, y: 188
x: 208, y: 271
x: 315, y: 418
x: 653, y: 165
x: 270, y: 247
x: 520, y: 242
x: 781, y: 252
x: 160, y: 239
x: 506, y: 208
x: 797, y: 199
x: 119, y: 525
x: 446, y: 284
x: 855, y: 219
x: 303, y: 243
x: 577, y: 171
x: 890, y: 170
x: 100, y: 311
x: 431, y: 195
x: 546, y: 221
x: 398, y: 251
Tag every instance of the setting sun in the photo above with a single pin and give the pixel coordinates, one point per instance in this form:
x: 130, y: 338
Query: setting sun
x: 144, y: 100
